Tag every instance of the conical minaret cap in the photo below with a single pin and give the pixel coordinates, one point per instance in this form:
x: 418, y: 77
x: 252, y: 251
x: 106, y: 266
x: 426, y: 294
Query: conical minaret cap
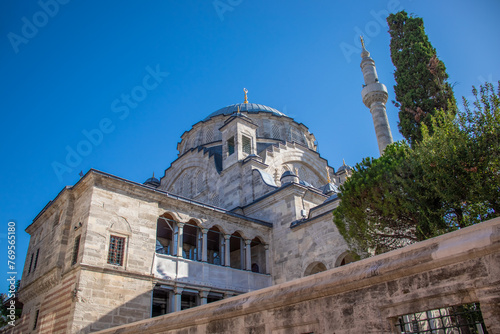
x: 364, y: 52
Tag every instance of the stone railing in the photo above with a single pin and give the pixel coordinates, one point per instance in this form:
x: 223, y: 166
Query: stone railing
x: 180, y: 270
x: 366, y: 296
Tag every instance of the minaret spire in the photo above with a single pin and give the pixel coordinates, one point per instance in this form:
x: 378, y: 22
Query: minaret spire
x: 375, y: 97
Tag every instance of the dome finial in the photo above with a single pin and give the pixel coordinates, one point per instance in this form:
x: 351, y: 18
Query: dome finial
x: 328, y: 175
x: 246, y: 91
x: 362, y: 41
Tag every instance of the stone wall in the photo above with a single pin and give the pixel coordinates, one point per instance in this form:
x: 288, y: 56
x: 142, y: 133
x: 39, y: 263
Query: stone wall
x: 361, y: 297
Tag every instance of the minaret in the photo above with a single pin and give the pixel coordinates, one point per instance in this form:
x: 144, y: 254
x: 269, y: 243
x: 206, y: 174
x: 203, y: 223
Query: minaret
x: 375, y: 97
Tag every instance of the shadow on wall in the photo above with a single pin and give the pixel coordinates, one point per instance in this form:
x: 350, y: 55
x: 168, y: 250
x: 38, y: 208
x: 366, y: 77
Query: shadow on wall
x: 138, y: 308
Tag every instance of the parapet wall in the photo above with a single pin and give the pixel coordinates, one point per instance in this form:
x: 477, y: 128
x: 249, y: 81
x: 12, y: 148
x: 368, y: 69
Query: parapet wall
x: 362, y: 297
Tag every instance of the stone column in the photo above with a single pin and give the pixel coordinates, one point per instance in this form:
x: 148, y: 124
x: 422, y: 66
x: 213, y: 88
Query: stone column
x: 227, y: 257
x: 177, y: 298
x: 204, y: 252
x: 266, y: 248
x: 176, y: 240
x: 180, y: 242
x: 203, y: 296
x: 242, y: 254
x: 199, y: 245
x: 248, y: 255
x: 222, y: 252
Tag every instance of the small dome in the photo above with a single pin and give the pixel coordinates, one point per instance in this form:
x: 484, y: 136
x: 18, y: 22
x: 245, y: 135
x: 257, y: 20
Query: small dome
x: 246, y: 107
x: 344, y: 167
x: 287, y: 173
x: 152, y: 182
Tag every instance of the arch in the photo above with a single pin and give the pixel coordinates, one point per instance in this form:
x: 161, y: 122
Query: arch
x: 215, y: 240
x: 216, y: 226
x: 314, y: 268
x: 258, y: 255
x: 195, y: 221
x: 345, y: 258
x: 120, y: 224
x: 237, y: 250
x: 165, y: 234
x: 171, y: 215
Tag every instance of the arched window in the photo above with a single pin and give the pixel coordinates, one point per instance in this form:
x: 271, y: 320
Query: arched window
x: 344, y: 258
x: 314, y: 268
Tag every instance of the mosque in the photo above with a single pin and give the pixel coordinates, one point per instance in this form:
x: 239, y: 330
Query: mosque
x: 247, y: 204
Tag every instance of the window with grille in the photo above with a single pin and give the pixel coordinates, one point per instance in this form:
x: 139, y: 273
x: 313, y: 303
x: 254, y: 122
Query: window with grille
x: 247, y: 144
x: 116, y: 250
x: 276, y: 131
x: 230, y: 145
x: 465, y: 318
x: 76, y: 248
x: 209, y: 136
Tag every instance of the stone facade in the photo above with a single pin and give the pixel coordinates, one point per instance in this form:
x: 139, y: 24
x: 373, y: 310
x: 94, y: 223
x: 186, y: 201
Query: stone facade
x: 247, y: 204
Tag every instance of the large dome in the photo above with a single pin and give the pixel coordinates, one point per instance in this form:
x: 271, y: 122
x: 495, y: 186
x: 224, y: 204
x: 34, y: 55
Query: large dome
x: 247, y: 107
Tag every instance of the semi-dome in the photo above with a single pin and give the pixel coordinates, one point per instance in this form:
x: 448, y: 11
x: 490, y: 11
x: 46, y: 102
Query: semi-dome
x: 246, y: 107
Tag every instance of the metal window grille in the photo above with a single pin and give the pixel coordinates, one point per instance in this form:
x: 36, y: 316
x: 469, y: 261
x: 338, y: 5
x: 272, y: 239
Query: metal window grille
x: 276, y: 131
x: 247, y: 145
x: 116, y: 250
x: 76, y: 248
x: 462, y: 319
x: 209, y: 136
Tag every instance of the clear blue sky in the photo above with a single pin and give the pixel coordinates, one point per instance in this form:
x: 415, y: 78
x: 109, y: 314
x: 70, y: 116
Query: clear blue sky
x: 67, y: 69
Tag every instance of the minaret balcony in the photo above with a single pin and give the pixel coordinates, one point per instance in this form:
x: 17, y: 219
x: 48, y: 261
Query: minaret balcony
x: 375, y: 92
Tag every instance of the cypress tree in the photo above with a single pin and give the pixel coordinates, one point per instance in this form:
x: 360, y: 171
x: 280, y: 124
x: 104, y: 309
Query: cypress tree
x: 421, y: 78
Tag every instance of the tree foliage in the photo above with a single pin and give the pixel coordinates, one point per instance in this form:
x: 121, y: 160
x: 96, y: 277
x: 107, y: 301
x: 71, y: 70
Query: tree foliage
x: 449, y: 180
x: 382, y: 207
x: 421, y: 78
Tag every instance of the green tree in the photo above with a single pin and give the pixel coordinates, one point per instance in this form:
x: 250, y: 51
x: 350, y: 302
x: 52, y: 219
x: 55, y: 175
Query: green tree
x: 461, y: 159
x: 383, y: 206
x: 449, y: 180
x: 421, y: 78
x: 5, y: 312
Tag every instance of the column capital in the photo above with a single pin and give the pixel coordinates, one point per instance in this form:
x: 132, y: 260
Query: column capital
x: 178, y: 290
x: 180, y: 224
x: 248, y: 241
x: 227, y: 236
x: 204, y: 293
x: 229, y: 294
x: 204, y: 230
x: 266, y: 246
